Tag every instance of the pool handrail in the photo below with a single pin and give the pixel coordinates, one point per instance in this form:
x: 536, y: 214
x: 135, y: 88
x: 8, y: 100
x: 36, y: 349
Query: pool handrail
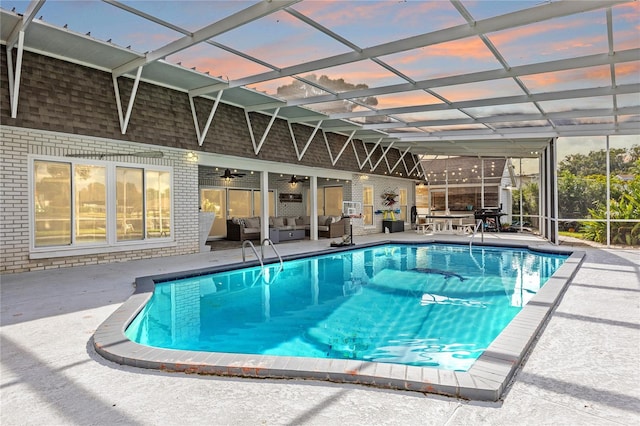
x: 260, y: 257
x: 246, y: 243
x: 475, y: 231
x: 269, y: 242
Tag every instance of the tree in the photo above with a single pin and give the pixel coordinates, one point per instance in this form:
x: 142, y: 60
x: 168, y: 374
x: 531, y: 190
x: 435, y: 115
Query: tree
x: 595, y: 162
x: 529, y: 201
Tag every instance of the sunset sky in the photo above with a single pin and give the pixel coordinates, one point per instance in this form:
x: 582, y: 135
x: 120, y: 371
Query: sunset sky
x: 282, y: 40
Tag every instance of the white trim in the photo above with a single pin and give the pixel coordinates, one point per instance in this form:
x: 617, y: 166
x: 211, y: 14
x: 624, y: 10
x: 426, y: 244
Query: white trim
x: 110, y: 244
x: 125, y: 246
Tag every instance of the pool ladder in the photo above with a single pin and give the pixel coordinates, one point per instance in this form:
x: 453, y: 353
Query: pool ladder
x: 475, y: 231
x: 260, y: 257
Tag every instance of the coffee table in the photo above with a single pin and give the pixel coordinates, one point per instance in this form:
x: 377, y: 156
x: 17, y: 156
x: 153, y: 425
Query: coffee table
x: 278, y: 235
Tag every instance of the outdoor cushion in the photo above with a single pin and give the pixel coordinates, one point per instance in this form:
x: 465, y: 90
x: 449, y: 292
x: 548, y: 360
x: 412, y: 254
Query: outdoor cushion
x: 290, y: 221
x: 252, y: 222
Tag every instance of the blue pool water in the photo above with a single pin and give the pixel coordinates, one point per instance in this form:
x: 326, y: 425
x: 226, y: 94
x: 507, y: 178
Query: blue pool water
x: 426, y: 305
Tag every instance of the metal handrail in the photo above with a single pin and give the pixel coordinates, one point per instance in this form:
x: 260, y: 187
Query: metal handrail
x: 475, y: 231
x: 268, y: 240
x: 260, y: 258
x: 250, y: 244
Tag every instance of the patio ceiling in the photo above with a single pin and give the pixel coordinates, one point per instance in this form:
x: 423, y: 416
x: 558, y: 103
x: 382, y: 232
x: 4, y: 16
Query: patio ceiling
x: 435, y: 77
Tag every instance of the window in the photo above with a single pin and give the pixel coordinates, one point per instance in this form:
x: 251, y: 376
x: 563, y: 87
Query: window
x: 52, y: 202
x: 329, y: 200
x: 129, y: 203
x: 367, y: 205
x: 256, y: 203
x: 402, y: 203
x: 90, y: 203
x: 158, y: 205
x: 332, y: 200
x: 72, y: 207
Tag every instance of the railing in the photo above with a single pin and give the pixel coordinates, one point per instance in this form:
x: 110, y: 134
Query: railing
x: 246, y: 243
x: 260, y: 258
x: 475, y: 231
x: 269, y: 242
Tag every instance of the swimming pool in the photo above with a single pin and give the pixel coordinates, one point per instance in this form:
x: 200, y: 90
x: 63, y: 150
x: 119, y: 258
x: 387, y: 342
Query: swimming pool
x: 351, y: 341
x: 435, y: 306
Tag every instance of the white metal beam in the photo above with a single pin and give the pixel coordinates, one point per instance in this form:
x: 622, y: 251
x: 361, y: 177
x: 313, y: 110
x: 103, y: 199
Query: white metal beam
x: 576, y: 113
x: 214, y: 107
x: 498, y: 23
x: 505, y: 100
x: 480, y: 76
x: 335, y: 160
x: 28, y: 16
x: 124, y: 121
x: 383, y: 156
x: 14, y: 77
x: 257, y: 147
x: 236, y: 20
x: 315, y: 130
x: 400, y: 159
x: 17, y: 37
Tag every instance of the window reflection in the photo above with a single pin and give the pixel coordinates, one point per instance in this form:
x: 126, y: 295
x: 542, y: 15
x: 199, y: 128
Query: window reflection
x: 52, y: 202
x: 129, y: 204
x: 158, y: 211
x: 90, y: 194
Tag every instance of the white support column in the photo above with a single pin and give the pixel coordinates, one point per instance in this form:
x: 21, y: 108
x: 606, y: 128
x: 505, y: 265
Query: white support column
x: 554, y: 195
x: 266, y: 132
x: 313, y: 207
x: 264, y: 205
x: 520, y: 195
x: 369, y: 153
x: 547, y: 190
x: 382, y: 157
x: 481, y: 183
x: 202, y: 136
x: 335, y: 160
x: 14, y: 76
x: 124, y: 121
x: 446, y: 187
x: 399, y: 160
x: 608, y: 201
x: 315, y: 130
x: 541, y: 193
x: 293, y: 139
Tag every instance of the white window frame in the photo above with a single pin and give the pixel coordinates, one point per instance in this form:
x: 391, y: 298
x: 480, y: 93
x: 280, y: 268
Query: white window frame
x: 373, y: 219
x: 111, y: 244
x: 407, y: 214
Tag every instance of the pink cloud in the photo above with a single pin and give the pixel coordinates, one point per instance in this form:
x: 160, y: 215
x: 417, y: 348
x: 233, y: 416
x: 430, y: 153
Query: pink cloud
x: 406, y: 99
x: 629, y: 12
x: 628, y: 68
x: 216, y: 62
x: 465, y: 93
x: 551, y: 79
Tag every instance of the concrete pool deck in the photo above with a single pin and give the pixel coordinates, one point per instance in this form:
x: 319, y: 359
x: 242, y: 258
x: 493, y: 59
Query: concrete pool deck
x: 583, y: 368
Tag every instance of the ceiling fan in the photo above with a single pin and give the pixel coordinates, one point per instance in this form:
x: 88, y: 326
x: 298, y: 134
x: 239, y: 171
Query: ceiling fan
x: 228, y: 175
x: 293, y: 180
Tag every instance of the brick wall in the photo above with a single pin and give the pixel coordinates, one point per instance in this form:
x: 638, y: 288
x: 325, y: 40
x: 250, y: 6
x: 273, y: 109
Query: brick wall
x: 14, y: 208
x: 65, y: 108
x: 63, y: 97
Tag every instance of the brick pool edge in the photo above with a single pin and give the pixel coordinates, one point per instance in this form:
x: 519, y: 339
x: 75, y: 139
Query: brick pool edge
x: 486, y: 380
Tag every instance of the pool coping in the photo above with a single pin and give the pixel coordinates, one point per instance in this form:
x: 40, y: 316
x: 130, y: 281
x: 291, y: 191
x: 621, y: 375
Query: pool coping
x: 486, y: 380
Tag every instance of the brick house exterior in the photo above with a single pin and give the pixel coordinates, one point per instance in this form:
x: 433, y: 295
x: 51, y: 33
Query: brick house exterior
x: 67, y: 108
